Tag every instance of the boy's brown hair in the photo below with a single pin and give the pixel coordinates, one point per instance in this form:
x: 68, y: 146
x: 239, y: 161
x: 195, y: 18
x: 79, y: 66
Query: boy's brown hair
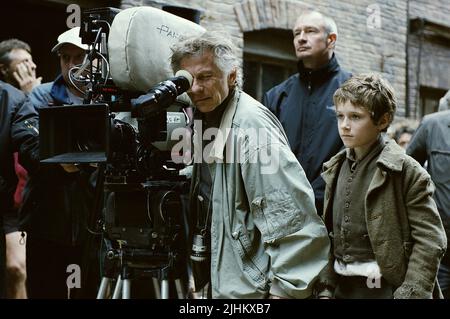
x: 371, y: 92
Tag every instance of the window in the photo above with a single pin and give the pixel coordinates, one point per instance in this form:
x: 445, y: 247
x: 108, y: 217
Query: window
x: 261, y: 74
x: 269, y: 59
x: 429, y: 99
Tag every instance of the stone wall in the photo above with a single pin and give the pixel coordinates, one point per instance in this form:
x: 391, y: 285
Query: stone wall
x: 435, y: 53
x: 372, y: 34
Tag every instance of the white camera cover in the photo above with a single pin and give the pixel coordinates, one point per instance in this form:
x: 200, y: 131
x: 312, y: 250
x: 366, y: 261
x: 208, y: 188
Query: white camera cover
x: 139, y: 46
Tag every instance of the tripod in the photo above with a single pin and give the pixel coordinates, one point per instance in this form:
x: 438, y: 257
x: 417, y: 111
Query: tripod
x: 143, y: 233
x: 124, y: 264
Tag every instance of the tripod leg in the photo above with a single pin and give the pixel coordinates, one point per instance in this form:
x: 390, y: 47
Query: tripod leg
x: 104, y: 285
x: 126, y: 275
x: 156, y: 288
x: 118, y: 288
x: 165, y: 289
x: 179, y: 288
x: 126, y: 289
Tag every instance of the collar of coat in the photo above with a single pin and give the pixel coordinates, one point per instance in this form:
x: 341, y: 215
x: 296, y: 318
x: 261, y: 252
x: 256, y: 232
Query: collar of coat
x: 216, y: 152
x: 391, y: 158
x: 321, y: 74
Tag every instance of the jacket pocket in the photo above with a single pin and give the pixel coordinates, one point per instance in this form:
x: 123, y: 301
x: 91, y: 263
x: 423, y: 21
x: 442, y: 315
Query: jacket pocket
x: 252, y: 266
x: 276, y: 215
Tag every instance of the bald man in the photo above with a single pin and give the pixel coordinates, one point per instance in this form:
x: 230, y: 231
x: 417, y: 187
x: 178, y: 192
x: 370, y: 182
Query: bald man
x: 304, y: 102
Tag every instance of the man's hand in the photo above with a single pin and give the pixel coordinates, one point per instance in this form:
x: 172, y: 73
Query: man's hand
x: 25, y: 76
x: 70, y: 168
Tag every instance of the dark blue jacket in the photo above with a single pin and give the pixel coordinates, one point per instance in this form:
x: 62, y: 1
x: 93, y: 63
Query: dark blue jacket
x: 15, y: 110
x: 51, y: 93
x: 304, y: 105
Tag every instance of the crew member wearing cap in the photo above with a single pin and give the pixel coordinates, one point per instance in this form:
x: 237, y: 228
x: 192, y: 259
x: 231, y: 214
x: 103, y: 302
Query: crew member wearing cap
x: 71, y: 52
x: 56, y: 199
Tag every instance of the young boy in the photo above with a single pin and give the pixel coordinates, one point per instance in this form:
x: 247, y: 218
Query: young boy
x: 388, y: 238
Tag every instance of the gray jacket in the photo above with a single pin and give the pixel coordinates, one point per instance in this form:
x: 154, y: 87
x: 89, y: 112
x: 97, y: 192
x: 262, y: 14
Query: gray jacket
x: 431, y: 142
x: 266, y: 237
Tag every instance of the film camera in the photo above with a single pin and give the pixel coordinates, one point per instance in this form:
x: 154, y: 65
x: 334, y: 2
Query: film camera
x: 132, y: 103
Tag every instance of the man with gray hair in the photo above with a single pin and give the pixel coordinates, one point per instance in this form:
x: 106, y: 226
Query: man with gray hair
x: 255, y: 230
x: 304, y: 102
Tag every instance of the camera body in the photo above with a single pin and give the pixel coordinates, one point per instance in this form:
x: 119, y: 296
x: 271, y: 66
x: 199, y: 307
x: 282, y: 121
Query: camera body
x: 130, y: 108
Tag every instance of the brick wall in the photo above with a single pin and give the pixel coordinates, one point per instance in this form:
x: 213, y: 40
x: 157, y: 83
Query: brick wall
x: 438, y: 11
x: 372, y: 34
x: 435, y: 54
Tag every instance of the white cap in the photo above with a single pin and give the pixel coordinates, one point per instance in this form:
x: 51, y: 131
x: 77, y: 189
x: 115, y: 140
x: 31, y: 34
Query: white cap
x: 71, y: 36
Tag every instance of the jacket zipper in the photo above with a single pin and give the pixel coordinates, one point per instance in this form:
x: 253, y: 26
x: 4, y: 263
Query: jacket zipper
x: 31, y: 126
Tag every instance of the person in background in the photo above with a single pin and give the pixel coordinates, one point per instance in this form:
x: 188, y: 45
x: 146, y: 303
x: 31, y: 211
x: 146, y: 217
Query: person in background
x: 16, y: 65
x: 403, y: 136
x: 17, y: 114
x: 61, y: 91
x: 57, y: 198
x: 18, y: 69
x: 431, y: 144
x: 304, y: 102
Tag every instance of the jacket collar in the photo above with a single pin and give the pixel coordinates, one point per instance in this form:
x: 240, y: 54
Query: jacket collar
x: 321, y: 74
x: 330, y: 168
x: 391, y: 158
x: 59, y: 91
x: 217, y: 149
